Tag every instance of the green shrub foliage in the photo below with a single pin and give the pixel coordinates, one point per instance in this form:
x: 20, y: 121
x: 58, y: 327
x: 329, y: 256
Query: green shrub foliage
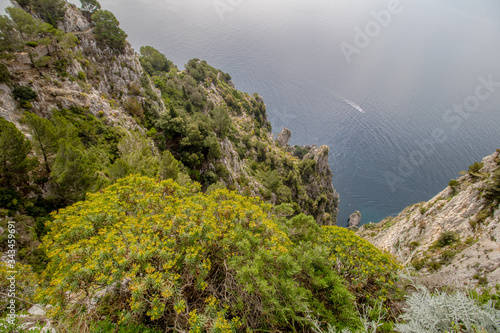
x: 191, y: 261
x: 107, y: 30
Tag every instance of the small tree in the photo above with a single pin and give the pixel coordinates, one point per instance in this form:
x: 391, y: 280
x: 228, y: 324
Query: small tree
x: 45, y: 138
x: 153, y: 60
x: 90, y: 6
x: 73, y: 172
x: 107, y: 30
x: 221, y: 121
x: 24, y: 95
x: 51, y: 11
x: 474, y: 168
x: 15, y: 163
x: 136, y: 157
x: 169, y: 167
x: 29, y: 32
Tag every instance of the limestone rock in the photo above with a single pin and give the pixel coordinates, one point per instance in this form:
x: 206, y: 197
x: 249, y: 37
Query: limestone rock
x: 37, y: 310
x: 284, y: 137
x: 355, y: 219
x: 73, y: 20
x: 412, y: 233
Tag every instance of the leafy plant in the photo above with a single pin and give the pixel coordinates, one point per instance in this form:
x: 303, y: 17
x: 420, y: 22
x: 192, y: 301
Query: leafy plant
x: 442, y: 312
x: 192, y: 261
x: 107, y: 30
x: 446, y: 238
x: 24, y: 95
x: 474, y: 168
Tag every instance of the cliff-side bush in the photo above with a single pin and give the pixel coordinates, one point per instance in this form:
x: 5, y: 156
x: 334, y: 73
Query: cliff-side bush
x: 474, y: 168
x: 446, y: 238
x: 370, y: 273
x: 492, y: 193
x: 24, y: 95
x: 187, y: 261
x: 4, y: 74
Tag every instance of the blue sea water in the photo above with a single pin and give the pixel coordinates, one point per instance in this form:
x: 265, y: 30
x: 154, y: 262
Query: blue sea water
x: 415, y: 101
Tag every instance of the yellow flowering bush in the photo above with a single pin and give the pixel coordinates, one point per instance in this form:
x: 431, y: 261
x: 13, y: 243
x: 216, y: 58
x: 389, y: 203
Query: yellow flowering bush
x: 369, y: 272
x: 187, y: 261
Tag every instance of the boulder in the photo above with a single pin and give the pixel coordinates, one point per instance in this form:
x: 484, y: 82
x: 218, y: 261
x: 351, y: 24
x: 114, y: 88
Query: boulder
x: 355, y: 219
x: 284, y: 137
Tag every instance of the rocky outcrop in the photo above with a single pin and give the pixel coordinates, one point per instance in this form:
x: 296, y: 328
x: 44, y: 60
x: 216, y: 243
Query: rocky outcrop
x: 108, y: 84
x: 98, y: 79
x: 284, y: 137
x: 454, y: 238
x: 320, y: 185
x: 354, y: 219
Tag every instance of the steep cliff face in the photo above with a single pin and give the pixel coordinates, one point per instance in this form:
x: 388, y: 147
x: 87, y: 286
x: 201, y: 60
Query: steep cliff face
x: 93, y: 77
x: 113, y: 86
x: 454, y: 238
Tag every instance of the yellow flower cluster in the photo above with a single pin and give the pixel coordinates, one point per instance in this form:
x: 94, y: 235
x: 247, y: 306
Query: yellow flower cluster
x: 163, y: 237
x: 359, y: 262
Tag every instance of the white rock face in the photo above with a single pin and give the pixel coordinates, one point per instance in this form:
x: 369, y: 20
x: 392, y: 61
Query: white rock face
x: 413, y: 232
x: 284, y: 137
x: 355, y: 219
x: 104, y: 90
x: 37, y: 310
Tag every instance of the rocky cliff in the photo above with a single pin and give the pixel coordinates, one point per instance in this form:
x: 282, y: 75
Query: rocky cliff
x: 453, y: 239
x: 114, y: 87
x: 94, y: 77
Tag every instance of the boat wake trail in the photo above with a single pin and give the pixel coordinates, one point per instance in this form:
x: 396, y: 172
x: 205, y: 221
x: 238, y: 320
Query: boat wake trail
x: 354, y: 105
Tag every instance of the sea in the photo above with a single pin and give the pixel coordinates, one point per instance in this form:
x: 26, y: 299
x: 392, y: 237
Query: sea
x: 406, y: 93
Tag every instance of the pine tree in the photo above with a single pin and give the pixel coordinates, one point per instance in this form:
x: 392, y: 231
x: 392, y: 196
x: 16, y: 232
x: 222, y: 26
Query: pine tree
x: 15, y: 163
x: 107, y: 30
x: 222, y: 121
x: 45, y: 138
x: 30, y: 32
x: 74, y: 171
x: 169, y: 167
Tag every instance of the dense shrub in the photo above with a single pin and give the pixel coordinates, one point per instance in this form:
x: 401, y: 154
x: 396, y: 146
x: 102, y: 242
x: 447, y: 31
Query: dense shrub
x: 369, y: 272
x: 153, y: 61
x: 492, y: 192
x: 107, y: 30
x: 4, y: 74
x: 447, y: 238
x: 191, y: 261
x: 474, y: 168
x: 24, y: 95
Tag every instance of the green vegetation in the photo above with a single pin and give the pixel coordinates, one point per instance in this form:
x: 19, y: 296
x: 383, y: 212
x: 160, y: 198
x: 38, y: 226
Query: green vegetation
x: 107, y: 30
x: 446, y: 238
x: 24, y: 95
x: 474, y: 168
x: 492, y: 193
x: 50, y: 11
x: 442, y: 312
x: 4, y: 74
x: 173, y: 247
x: 192, y: 261
x: 90, y: 6
x: 15, y: 162
x: 153, y: 61
x: 454, y: 184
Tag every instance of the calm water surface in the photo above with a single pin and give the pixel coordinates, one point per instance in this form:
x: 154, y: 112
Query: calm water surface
x: 394, y: 116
